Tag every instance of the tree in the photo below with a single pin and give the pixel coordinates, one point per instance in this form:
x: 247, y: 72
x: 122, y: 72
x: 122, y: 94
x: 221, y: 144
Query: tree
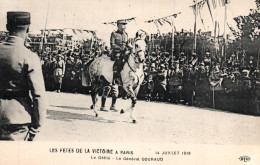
x: 248, y: 36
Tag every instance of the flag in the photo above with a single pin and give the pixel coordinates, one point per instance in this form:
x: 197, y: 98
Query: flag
x: 214, y: 4
x: 210, y: 10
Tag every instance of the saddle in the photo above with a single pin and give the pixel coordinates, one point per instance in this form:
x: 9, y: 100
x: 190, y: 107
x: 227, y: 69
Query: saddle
x: 120, y: 61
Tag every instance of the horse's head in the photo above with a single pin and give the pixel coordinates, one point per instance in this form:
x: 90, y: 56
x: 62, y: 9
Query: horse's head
x: 140, y: 45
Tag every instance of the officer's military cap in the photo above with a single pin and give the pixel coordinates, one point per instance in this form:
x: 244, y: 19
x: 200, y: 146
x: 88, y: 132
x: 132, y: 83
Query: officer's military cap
x: 122, y: 21
x: 18, y: 18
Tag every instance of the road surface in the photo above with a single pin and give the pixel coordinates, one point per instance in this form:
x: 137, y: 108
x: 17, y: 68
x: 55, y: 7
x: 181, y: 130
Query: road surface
x: 69, y: 118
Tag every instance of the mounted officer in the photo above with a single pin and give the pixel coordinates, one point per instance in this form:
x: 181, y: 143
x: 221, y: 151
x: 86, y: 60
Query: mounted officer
x: 119, y: 45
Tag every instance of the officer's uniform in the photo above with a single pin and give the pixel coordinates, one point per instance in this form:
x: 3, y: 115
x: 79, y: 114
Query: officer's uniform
x: 68, y: 76
x: 215, y: 80
x: 161, y: 83
x: 20, y: 73
x: 118, y: 43
x: 175, y: 85
x: 202, y: 86
x: 188, y: 84
x: 59, y: 71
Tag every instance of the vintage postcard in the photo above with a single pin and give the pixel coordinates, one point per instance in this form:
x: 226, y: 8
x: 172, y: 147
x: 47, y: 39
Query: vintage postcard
x: 129, y: 82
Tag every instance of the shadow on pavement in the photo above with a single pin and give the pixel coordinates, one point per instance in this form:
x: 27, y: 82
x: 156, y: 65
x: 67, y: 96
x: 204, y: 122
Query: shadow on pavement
x: 70, y: 107
x: 69, y: 117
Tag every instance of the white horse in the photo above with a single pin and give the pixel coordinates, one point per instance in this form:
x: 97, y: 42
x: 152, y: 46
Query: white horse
x: 101, y: 74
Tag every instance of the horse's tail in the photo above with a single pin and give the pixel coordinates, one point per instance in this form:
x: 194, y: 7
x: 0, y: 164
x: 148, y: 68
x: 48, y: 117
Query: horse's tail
x: 86, y: 79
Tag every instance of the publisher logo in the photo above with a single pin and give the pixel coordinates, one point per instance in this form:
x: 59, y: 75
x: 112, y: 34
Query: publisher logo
x: 244, y: 158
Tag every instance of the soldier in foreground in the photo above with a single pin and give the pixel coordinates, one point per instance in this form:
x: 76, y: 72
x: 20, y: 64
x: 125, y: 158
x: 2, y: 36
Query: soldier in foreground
x: 20, y: 74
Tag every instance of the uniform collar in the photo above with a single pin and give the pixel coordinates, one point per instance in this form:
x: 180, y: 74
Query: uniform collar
x: 15, y: 39
x: 120, y: 31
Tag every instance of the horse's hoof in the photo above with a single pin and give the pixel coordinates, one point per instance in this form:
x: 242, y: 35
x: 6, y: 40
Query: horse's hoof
x: 91, y: 107
x: 96, y: 115
x: 122, y: 111
x: 134, y: 121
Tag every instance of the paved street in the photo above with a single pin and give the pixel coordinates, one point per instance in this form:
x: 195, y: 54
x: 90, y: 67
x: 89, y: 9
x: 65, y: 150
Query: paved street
x: 69, y: 118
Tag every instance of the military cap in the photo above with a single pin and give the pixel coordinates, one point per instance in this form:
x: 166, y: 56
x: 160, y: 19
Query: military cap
x: 182, y: 53
x: 18, y: 18
x: 194, y: 54
x: 207, y: 53
x: 121, y: 21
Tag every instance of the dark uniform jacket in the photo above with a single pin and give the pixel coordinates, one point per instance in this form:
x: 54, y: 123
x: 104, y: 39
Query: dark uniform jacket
x: 118, y: 41
x: 20, y: 73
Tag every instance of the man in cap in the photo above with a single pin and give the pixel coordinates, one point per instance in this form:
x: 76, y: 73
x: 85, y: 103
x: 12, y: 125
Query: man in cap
x: 161, y: 83
x: 194, y: 59
x: 207, y: 59
x: 21, y: 116
x: 118, y: 44
x: 59, y: 71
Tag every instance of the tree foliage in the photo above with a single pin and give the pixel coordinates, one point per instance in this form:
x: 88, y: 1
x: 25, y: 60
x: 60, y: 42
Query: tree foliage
x: 248, y: 36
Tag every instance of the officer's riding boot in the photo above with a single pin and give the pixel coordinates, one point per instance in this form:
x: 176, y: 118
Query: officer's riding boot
x: 116, y: 72
x: 113, y: 104
x: 103, y: 102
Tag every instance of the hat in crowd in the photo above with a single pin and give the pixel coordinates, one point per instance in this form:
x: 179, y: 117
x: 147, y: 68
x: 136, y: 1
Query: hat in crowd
x: 207, y: 53
x: 194, y: 54
x: 257, y: 72
x: 59, y: 55
x: 202, y: 64
x: 18, y: 18
x: 182, y: 53
x: 122, y: 21
x: 153, y: 65
x: 162, y: 66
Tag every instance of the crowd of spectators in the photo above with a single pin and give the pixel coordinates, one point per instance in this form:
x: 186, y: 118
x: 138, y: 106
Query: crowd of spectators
x: 232, y: 85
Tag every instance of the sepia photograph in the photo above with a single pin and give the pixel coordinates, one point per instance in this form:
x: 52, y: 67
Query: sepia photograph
x: 129, y: 82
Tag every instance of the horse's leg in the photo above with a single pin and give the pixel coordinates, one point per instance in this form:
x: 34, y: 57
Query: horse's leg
x: 94, y: 101
x: 131, y: 92
x: 134, y: 99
